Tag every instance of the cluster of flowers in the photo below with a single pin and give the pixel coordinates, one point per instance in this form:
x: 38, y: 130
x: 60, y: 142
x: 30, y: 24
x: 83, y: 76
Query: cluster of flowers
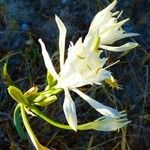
x: 84, y: 65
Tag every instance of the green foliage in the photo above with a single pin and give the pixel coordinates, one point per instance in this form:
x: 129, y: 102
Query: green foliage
x: 18, y: 123
x: 5, y: 76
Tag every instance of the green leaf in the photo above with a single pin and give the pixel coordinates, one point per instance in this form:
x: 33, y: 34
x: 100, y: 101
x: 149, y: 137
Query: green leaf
x: 18, y: 123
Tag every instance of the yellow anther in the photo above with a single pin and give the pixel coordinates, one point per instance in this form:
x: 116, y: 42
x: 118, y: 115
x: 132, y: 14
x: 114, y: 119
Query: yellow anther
x: 98, y: 69
x: 113, y: 83
x: 89, y: 67
x: 80, y: 57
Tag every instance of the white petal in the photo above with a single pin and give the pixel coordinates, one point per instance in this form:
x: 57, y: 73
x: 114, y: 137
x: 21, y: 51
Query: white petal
x: 70, y: 78
x: 104, y: 74
x: 100, y: 17
x: 62, y: 37
x: 125, y: 47
x: 115, y: 36
x: 47, y: 60
x: 111, y: 6
x: 104, y: 110
x: 70, y: 110
x: 111, y: 26
x: 125, y: 35
x: 75, y: 50
x: 110, y: 124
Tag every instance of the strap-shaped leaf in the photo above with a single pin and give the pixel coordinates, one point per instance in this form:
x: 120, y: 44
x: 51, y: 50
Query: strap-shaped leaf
x: 18, y: 123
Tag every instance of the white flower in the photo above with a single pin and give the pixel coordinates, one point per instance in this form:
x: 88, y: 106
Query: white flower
x: 106, y: 24
x: 105, y: 123
x: 82, y: 67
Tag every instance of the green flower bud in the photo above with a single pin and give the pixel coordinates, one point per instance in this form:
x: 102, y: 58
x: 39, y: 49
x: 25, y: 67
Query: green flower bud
x: 46, y: 94
x: 39, y: 98
x: 51, y: 81
x: 5, y: 76
x: 17, y: 95
x: 47, y: 101
x: 32, y: 93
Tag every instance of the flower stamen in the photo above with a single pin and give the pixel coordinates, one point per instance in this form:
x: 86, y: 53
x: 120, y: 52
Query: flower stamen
x: 80, y: 57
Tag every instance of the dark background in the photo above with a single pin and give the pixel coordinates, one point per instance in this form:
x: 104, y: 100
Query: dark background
x: 23, y: 22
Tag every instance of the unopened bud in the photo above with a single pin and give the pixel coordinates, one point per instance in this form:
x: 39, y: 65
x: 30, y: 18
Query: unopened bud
x: 47, y: 101
x: 17, y: 95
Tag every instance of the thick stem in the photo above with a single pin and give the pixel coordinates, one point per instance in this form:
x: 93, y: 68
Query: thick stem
x: 29, y: 130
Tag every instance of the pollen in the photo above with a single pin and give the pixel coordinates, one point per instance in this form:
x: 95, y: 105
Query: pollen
x: 113, y: 83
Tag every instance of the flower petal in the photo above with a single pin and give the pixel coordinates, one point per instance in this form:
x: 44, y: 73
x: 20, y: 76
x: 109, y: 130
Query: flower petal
x: 70, y: 110
x: 71, y: 78
x: 104, y: 110
x: 109, y: 123
x: 116, y: 35
x: 125, y: 35
x: 47, y: 60
x: 112, y: 26
x: 62, y: 37
x: 101, y: 16
x: 125, y: 47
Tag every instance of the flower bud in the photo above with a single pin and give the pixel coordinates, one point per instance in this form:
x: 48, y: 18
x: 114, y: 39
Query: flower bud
x: 47, y: 101
x: 17, y: 95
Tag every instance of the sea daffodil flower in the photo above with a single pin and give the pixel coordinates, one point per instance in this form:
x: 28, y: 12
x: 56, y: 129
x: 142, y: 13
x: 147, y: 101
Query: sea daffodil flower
x: 81, y: 68
x: 83, y: 65
x: 76, y: 74
x: 106, y: 25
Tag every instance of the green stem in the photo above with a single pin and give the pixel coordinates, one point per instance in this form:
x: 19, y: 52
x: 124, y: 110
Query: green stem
x: 56, y: 124
x: 29, y: 130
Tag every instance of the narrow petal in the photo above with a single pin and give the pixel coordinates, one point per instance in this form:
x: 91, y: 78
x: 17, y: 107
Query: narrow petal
x: 111, y: 6
x: 112, y: 26
x: 98, y: 17
x: 109, y: 123
x: 62, y: 37
x: 70, y: 110
x: 104, y: 110
x: 125, y: 47
x: 116, y: 35
x: 47, y: 60
x: 125, y: 35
